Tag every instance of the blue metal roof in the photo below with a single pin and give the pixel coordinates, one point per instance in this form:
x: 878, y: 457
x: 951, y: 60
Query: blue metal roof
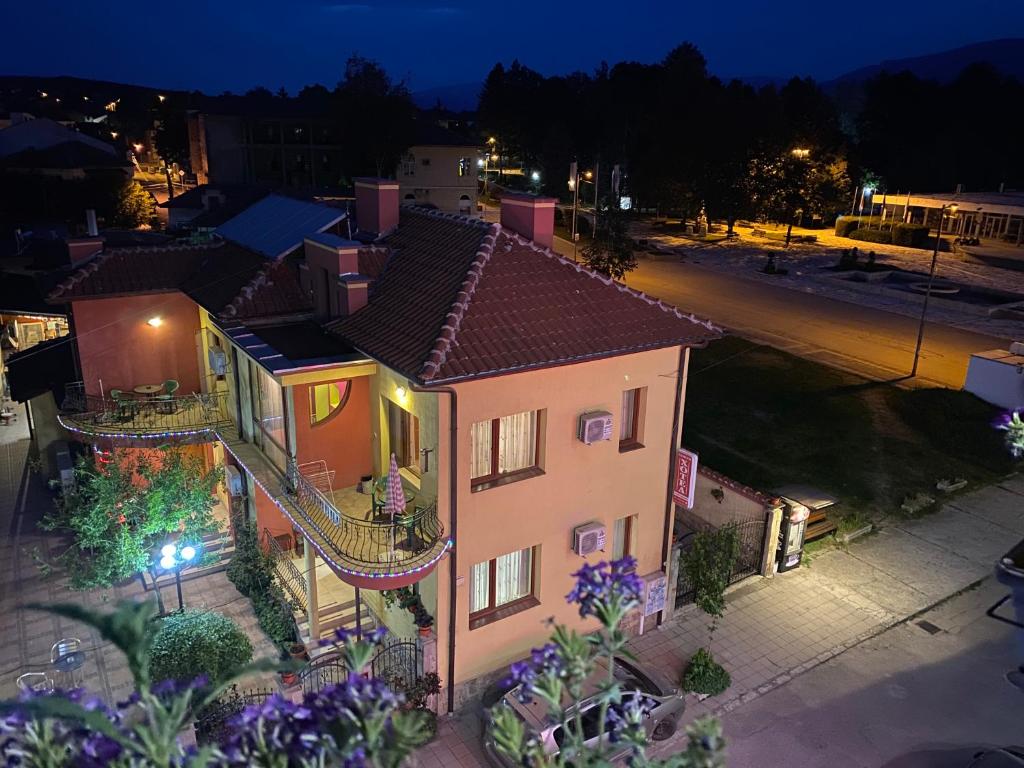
x: 275, y: 225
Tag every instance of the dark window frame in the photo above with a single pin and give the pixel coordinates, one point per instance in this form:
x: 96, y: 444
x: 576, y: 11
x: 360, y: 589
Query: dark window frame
x: 494, y: 476
x: 494, y: 612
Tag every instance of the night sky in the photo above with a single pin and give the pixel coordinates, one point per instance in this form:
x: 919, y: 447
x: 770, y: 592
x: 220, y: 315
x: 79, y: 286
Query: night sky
x: 217, y: 45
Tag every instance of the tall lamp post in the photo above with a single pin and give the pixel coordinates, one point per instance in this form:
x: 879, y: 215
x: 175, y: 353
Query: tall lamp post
x: 174, y: 559
x: 952, y: 208
x: 574, y: 184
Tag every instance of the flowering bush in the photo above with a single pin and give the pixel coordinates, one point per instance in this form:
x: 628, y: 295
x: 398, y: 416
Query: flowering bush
x: 355, y: 723
x: 558, y: 670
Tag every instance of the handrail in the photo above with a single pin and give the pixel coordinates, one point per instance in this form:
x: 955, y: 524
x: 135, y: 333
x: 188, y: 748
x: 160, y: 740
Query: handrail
x: 144, y: 415
x: 380, y: 541
x: 291, y: 577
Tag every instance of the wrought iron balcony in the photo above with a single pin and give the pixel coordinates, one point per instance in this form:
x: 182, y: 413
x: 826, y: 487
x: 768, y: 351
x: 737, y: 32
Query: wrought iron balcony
x: 143, y: 418
x: 380, y: 552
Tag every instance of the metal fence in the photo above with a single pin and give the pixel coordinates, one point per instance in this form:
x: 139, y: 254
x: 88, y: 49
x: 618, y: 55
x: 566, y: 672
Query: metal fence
x: 382, y: 540
x: 287, y: 572
x: 329, y: 669
x: 143, y: 414
x: 211, y: 722
x: 751, y: 538
x: 399, y: 662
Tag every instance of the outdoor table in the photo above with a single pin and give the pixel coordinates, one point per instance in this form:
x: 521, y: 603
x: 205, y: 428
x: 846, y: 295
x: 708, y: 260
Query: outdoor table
x: 148, y: 389
x: 68, y: 664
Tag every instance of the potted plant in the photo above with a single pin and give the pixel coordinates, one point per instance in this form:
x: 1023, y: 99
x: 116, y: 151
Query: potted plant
x: 297, y: 651
x: 423, y: 620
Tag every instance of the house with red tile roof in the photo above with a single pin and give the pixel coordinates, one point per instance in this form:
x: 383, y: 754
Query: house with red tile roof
x: 531, y: 410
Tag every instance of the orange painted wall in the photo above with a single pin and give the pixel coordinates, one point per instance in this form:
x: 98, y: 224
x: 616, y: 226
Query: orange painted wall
x: 269, y: 516
x: 580, y: 484
x: 116, y: 344
x: 343, y: 441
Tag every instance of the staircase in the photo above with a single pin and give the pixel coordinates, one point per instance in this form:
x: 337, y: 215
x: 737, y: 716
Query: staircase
x: 335, y: 616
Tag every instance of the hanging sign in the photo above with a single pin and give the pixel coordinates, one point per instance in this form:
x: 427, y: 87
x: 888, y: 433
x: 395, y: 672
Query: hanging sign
x: 686, y: 478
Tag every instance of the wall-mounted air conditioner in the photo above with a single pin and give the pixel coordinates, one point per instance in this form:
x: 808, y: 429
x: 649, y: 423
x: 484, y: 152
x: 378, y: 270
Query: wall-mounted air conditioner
x: 594, y: 426
x: 233, y: 478
x: 588, y: 538
x: 218, y: 361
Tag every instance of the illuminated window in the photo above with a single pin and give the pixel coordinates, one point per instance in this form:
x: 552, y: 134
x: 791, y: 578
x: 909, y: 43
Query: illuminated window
x: 404, y: 437
x: 505, y: 446
x: 631, y: 419
x: 501, y: 583
x: 622, y: 537
x: 408, y: 165
x: 464, y: 166
x: 325, y: 400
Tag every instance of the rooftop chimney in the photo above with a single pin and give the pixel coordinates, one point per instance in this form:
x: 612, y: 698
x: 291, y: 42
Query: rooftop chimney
x: 331, y: 275
x: 532, y: 217
x: 376, y: 206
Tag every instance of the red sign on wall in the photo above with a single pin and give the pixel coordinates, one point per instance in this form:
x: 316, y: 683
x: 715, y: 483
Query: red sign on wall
x: 686, y: 478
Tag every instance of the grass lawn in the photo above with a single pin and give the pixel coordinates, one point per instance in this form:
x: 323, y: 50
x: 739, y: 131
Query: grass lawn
x: 767, y: 418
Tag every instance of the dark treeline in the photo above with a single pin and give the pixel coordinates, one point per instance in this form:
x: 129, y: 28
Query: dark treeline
x: 689, y: 140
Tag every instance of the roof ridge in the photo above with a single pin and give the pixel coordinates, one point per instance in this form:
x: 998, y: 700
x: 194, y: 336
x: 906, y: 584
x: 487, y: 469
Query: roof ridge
x: 246, y: 292
x: 169, y: 247
x: 459, y: 218
x: 453, y: 320
x: 621, y: 287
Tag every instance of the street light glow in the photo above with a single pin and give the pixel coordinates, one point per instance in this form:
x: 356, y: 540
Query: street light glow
x: 480, y: 163
x: 168, y: 550
x: 167, y: 563
x: 188, y: 552
x: 137, y: 146
x: 535, y: 176
x: 156, y: 322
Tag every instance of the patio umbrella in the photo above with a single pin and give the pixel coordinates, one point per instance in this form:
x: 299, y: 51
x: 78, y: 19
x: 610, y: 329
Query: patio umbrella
x: 395, y: 502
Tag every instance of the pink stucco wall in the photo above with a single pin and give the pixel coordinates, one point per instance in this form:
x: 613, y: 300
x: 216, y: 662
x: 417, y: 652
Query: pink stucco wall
x: 118, y: 346
x: 343, y: 440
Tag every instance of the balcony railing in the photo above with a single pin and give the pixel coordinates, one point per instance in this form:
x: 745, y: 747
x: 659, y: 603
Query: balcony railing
x: 288, y: 573
x: 382, y: 544
x: 143, y: 417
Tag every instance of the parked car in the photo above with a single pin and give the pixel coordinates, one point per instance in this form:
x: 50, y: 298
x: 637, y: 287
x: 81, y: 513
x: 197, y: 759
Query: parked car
x: 1006, y: 757
x: 664, y: 701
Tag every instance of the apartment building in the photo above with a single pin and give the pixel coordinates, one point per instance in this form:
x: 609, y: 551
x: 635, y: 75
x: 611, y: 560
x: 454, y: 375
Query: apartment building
x: 533, y: 409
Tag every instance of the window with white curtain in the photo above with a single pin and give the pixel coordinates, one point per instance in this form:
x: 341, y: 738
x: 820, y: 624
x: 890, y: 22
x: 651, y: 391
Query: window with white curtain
x: 622, y: 537
x: 631, y: 418
x: 500, y: 582
x: 504, y: 446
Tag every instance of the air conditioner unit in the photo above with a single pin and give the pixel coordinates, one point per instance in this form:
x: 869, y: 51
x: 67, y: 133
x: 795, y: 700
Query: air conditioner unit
x: 234, y: 481
x: 218, y: 361
x: 588, y: 538
x: 594, y: 426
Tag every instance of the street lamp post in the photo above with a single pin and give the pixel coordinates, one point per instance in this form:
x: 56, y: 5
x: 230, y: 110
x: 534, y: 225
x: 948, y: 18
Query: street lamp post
x: 574, y: 182
x: 173, y: 559
x: 928, y: 290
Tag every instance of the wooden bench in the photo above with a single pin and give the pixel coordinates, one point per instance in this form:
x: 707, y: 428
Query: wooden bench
x: 819, y: 524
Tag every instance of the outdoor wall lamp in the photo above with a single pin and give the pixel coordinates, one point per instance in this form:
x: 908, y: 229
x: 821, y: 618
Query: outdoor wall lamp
x: 173, y: 559
x: 155, y: 322
x: 400, y: 391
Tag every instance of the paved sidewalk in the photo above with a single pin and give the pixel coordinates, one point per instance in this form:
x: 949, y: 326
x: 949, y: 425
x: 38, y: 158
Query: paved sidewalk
x: 27, y: 636
x: 777, y: 629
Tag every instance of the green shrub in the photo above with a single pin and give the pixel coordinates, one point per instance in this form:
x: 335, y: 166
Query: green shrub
x: 198, y: 642
x: 705, y: 675
x: 252, y: 571
x: 910, y: 235
x: 871, y: 235
x: 846, y: 224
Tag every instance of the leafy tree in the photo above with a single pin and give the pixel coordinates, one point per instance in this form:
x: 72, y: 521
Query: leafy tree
x: 135, y: 206
x: 610, y: 251
x: 376, y: 119
x: 708, y: 567
x: 171, y: 139
x: 121, y: 513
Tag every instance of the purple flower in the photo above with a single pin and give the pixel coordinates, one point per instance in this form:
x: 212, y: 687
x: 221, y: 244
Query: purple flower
x: 605, y: 584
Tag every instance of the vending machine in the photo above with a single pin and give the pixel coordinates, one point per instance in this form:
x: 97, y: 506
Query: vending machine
x: 791, y: 534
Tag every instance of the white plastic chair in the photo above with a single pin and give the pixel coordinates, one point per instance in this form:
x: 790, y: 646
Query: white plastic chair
x: 36, y: 682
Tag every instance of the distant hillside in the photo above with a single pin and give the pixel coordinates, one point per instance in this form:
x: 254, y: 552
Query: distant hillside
x: 1005, y: 55
x: 461, y: 97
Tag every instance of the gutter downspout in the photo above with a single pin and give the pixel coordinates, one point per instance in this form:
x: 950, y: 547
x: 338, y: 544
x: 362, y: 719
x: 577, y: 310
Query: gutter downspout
x: 666, y: 543
x: 453, y: 524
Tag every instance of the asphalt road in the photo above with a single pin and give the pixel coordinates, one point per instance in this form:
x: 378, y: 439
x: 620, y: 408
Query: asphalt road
x: 909, y: 698
x: 864, y: 340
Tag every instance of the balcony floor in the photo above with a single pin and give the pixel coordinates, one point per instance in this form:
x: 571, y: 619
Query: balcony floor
x: 148, y: 419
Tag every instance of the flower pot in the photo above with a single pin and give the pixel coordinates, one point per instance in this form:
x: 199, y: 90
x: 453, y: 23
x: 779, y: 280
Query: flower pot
x: 298, y: 652
x: 425, y: 631
x: 289, y: 678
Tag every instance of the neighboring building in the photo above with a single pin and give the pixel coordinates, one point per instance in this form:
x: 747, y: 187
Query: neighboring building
x: 991, y: 216
x: 207, y: 206
x: 42, y: 146
x: 440, y: 171
x: 293, y: 145
x: 468, y: 352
